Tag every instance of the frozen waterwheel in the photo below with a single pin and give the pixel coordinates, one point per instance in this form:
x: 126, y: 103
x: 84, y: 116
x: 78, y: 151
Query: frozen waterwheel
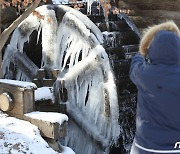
x: 92, y: 62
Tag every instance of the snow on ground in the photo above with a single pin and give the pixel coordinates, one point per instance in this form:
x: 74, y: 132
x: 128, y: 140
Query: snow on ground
x: 48, y: 116
x: 21, y: 137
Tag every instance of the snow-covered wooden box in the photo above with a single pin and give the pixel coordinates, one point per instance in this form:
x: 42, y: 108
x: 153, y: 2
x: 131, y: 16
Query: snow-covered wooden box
x: 16, y: 97
x: 51, y: 125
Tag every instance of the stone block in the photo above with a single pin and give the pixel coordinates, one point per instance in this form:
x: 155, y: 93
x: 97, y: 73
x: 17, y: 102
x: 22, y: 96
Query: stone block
x: 49, y: 129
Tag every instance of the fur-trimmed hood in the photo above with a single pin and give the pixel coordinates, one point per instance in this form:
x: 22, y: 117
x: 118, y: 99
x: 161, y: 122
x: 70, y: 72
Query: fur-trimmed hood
x: 150, y: 33
x: 165, y: 48
x: 161, y: 42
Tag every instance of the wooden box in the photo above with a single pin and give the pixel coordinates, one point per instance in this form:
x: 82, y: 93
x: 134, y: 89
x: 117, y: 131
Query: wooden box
x: 21, y: 95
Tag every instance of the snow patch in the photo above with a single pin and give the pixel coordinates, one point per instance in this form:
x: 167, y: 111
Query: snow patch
x: 48, y: 116
x: 18, y: 137
x: 44, y: 93
x: 67, y: 150
x: 21, y: 84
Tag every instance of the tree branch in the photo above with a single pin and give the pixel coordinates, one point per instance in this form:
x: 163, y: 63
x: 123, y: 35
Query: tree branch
x: 5, y: 34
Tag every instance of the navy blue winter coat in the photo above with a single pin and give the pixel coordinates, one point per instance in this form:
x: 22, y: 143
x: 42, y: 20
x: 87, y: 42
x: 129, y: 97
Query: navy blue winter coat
x: 158, y: 100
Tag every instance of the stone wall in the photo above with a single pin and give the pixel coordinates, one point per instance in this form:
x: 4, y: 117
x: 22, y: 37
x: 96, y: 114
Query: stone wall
x: 145, y: 13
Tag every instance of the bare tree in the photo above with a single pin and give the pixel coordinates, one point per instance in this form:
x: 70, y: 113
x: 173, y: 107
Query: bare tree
x: 4, y: 35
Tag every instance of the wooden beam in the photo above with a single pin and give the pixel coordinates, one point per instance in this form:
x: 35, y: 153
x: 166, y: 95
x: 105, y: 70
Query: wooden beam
x: 25, y: 64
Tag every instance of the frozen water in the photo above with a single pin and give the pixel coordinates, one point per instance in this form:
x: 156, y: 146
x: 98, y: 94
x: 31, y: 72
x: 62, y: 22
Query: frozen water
x: 89, y: 5
x: 92, y: 99
x: 130, y: 23
x: 72, y: 43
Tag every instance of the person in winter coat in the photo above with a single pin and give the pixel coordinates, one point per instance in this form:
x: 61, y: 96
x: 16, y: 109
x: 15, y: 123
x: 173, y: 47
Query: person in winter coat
x: 158, y: 82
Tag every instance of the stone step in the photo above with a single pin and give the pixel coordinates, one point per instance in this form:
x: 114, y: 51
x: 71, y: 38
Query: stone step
x: 51, y: 125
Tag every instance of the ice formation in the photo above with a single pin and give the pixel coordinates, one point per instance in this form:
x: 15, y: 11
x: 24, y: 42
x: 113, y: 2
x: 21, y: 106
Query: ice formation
x: 92, y: 99
x: 72, y: 44
x: 130, y: 23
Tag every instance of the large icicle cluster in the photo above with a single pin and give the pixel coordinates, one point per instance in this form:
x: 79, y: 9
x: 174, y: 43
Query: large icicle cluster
x: 92, y: 98
x: 19, y: 37
x: 72, y: 43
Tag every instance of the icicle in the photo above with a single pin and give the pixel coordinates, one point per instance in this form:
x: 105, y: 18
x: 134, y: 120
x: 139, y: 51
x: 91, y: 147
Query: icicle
x: 61, y: 45
x: 39, y: 31
x: 20, y: 35
x: 89, y: 5
x: 130, y: 23
x: 107, y: 22
x: 106, y: 6
x: 49, y: 29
